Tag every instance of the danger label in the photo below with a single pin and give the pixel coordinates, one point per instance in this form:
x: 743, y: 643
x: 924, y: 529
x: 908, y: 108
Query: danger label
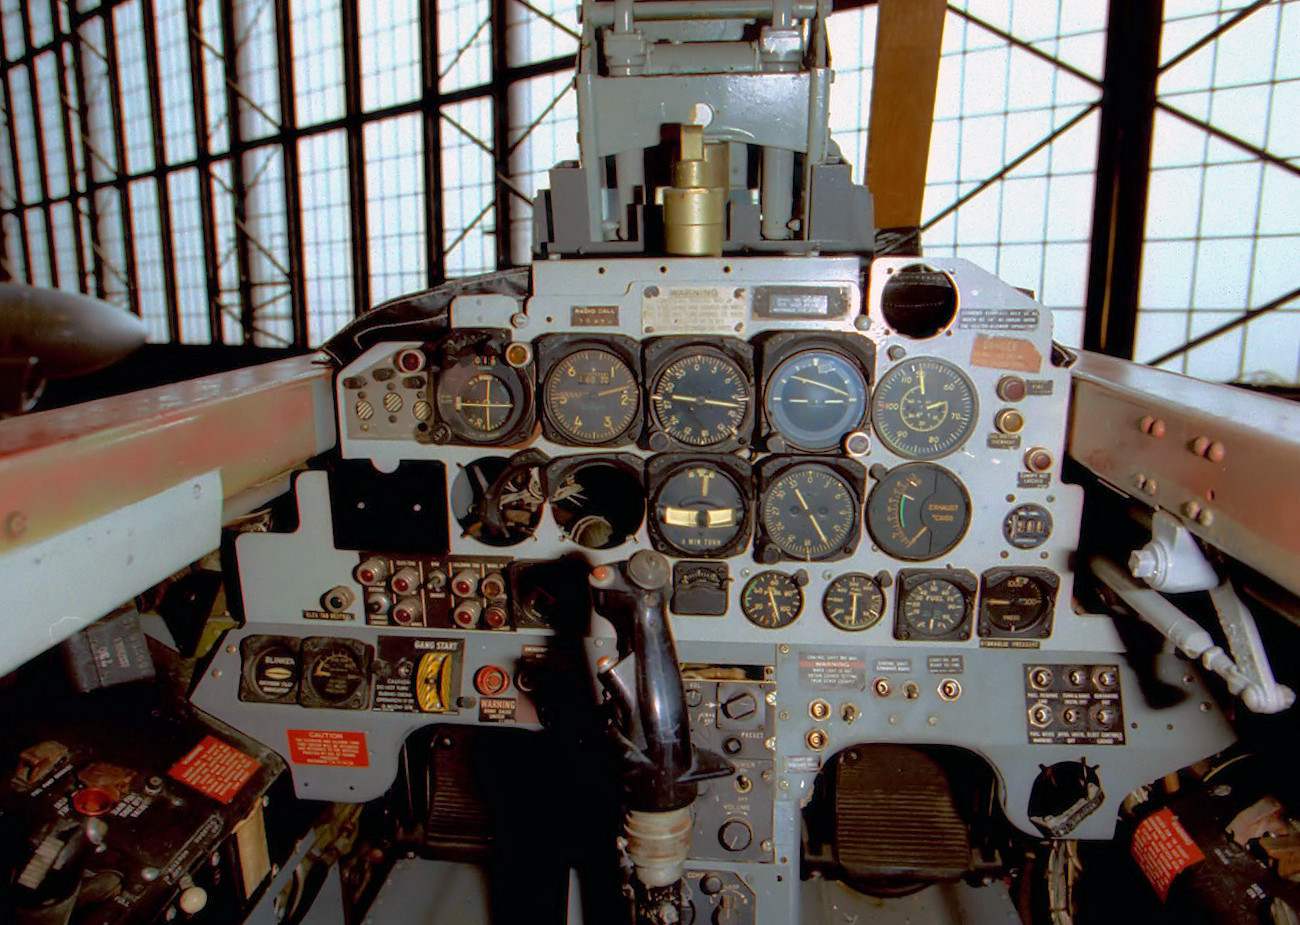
x: 1006, y: 353
x: 326, y: 748
x: 1163, y: 849
x: 215, y: 768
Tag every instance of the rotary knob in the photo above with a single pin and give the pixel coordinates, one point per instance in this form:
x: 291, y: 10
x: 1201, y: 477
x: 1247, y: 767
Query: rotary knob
x: 735, y: 835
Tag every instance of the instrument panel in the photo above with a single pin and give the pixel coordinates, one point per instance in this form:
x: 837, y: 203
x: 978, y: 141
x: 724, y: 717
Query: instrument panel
x: 862, y: 507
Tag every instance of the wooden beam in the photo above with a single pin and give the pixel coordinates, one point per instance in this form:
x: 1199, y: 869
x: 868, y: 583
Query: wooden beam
x: 909, y: 34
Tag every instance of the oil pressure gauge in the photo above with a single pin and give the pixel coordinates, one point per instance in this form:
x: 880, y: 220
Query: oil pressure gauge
x: 853, y: 602
x: 771, y: 600
x: 924, y: 408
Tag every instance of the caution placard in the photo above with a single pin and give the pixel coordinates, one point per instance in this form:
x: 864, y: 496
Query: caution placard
x: 1163, y: 849
x: 215, y: 768
x: 328, y: 748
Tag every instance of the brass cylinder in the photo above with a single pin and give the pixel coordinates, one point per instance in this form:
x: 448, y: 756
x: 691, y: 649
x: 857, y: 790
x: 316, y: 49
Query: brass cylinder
x: 695, y: 206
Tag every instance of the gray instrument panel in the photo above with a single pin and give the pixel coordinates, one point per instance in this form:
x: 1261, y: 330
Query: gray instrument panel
x: 911, y: 677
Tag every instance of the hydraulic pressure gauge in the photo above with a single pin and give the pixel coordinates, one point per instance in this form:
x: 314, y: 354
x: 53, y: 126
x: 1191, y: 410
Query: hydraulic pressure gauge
x: 698, y: 509
x: 1017, y: 602
x: 934, y: 605
x: 815, y: 398
x: 918, y: 511
x: 701, y: 398
x: 853, y: 602
x: 810, y: 511
x: 771, y: 600
x: 590, y: 397
x: 924, y: 408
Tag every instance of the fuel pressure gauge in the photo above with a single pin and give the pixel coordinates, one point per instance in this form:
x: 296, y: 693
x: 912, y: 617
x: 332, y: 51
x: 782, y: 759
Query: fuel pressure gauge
x: 934, y: 604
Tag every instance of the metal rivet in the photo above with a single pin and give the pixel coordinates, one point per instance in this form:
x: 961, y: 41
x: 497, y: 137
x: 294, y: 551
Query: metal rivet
x: 16, y: 524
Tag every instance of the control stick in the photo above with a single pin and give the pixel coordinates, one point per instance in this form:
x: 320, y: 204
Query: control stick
x: 661, y: 766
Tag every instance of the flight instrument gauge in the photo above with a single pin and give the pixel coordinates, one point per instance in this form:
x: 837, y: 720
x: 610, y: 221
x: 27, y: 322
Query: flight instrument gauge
x: 482, y: 399
x: 815, y: 398
x: 771, y: 600
x: 924, y: 408
x: 699, y: 509
x: 935, y: 605
x: 701, y: 399
x: 590, y: 397
x: 853, y: 602
x: 918, y: 511
x: 1017, y: 602
x: 335, y: 673
x: 810, y: 511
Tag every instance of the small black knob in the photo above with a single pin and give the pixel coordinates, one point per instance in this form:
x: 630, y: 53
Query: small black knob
x: 735, y: 835
x: 742, y: 706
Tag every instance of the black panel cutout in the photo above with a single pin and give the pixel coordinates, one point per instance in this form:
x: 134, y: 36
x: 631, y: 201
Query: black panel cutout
x: 405, y: 509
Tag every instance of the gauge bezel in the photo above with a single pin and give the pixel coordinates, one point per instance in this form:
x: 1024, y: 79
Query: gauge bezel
x: 775, y: 349
x: 554, y: 349
x: 316, y: 647
x: 909, y: 580
x: 794, y: 583
x: 559, y: 469
x: 661, y: 469
x: 1048, y: 582
x: 879, y: 416
x: 662, y: 352
x: 772, y: 470
x: 878, y: 507
x: 880, y: 613
x: 458, y: 357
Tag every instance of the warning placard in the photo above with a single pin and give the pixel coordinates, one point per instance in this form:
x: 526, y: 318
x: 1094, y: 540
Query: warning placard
x: 327, y: 748
x: 1163, y: 849
x: 215, y: 768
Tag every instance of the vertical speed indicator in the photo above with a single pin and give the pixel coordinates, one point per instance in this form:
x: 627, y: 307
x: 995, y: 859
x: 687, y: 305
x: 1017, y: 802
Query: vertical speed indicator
x: 924, y: 408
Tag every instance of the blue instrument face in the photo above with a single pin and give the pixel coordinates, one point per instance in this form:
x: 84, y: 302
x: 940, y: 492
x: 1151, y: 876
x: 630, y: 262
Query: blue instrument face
x: 815, y: 398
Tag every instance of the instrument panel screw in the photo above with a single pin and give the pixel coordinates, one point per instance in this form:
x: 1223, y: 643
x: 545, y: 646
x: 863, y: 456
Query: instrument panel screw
x: 16, y: 524
x: 785, y: 649
x: 771, y: 697
x: 1205, y: 518
x: 1204, y: 706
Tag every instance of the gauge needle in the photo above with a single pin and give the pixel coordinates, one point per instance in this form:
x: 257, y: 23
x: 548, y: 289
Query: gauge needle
x: 621, y: 388
x: 816, y: 526
x: 913, y: 539
x: 823, y: 385
x: 938, y: 404
x: 719, y: 402
x: 776, y: 611
x: 853, y: 616
x: 920, y: 372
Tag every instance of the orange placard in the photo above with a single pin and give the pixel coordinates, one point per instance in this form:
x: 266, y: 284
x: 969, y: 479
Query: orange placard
x: 1163, y: 849
x: 215, y: 768
x: 327, y: 748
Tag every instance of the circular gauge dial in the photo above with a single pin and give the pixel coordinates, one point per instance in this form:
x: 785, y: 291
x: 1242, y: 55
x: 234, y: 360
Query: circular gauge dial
x: 1016, y: 604
x: 701, y: 399
x: 853, y: 602
x: 933, y: 607
x: 591, y: 396
x: 815, y: 398
x: 924, y: 408
x: 771, y: 600
x: 336, y: 674
x: 481, y: 400
x: 918, y: 511
x: 809, y: 512
x: 699, y: 510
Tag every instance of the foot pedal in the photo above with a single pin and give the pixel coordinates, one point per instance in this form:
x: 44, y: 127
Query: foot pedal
x: 895, y: 817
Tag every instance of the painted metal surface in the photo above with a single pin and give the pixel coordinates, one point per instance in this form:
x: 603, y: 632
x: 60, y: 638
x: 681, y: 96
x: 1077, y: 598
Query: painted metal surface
x: 62, y: 469
x: 1224, y: 460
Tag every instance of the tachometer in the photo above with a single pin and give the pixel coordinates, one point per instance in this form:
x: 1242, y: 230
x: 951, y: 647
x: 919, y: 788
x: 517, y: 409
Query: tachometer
x: 924, y: 408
